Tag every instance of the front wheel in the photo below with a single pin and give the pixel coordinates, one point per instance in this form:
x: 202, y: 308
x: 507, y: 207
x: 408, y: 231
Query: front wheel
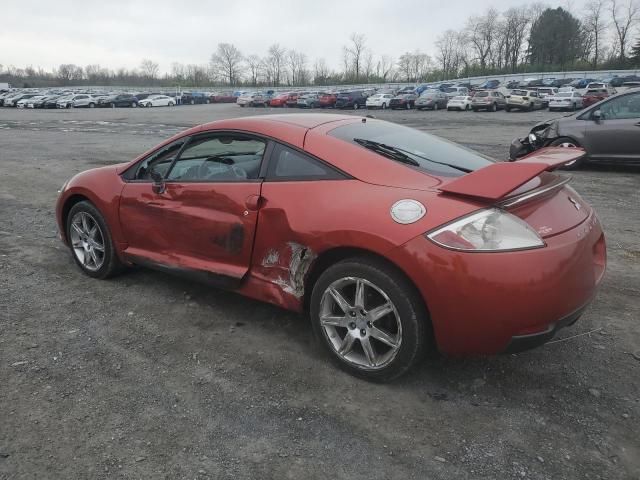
x: 90, y: 241
x: 494, y: 107
x: 384, y: 106
x: 92, y: 105
x: 356, y: 106
x: 435, y: 106
x: 134, y: 104
x: 370, y: 319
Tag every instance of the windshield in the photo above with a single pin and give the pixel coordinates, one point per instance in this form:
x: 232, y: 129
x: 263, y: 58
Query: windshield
x: 428, y: 153
x: 450, y: 90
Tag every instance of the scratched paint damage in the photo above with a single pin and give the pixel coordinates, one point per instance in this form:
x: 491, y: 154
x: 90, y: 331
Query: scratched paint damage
x: 292, y: 264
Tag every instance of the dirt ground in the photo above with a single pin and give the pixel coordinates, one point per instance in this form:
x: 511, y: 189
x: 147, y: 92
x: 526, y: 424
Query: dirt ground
x: 150, y: 376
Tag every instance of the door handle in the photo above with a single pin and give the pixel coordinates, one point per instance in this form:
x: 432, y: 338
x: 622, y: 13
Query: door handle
x: 252, y: 202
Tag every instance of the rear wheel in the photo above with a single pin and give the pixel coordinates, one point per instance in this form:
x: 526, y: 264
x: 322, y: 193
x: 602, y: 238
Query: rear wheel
x: 356, y: 106
x: 134, y: 104
x: 92, y: 105
x: 566, y: 142
x: 370, y: 319
x: 90, y: 241
x: 384, y: 106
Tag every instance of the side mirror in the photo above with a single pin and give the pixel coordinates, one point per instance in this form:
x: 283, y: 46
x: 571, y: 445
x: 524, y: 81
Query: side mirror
x: 596, y: 116
x: 158, y: 182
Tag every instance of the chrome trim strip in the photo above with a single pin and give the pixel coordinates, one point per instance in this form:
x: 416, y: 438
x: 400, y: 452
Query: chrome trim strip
x: 510, y: 202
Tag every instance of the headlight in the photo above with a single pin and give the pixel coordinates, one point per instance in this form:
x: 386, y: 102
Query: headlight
x: 488, y: 230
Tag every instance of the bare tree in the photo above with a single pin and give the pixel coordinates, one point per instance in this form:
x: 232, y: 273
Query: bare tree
x: 355, y: 52
x: 320, y: 71
x: 255, y: 68
x: 149, y: 68
x: 384, y: 67
x: 624, y: 23
x: 228, y: 62
x: 515, y: 30
x: 68, y: 73
x: 297, y: 63
x: 481, y: 33
x: 595, y: 27
x: 274, y: 63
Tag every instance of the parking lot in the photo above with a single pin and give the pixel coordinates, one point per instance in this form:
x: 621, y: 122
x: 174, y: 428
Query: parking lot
x: 151, y: 376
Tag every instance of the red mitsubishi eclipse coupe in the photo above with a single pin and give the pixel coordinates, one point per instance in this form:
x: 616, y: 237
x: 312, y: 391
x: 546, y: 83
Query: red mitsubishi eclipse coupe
x: 395, y: 241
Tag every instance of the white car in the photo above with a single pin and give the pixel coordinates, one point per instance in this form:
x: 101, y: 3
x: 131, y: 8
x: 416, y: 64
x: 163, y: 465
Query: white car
x: 77, y: 101
x: 379, y: 100
x: 545, y: 93
x: 461, y: 102
x: 24, y: 103
x: 456, y: 92
x: 157, y: 101
x: 251, y: 99
x: 566, y: 101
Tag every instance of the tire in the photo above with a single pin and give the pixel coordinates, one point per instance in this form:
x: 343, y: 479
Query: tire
x: 112, y: 105
x: 92, y: 105
x: 531, y: 107
x: 435, y: 106
x: 356, y: 106
x: 568, y: 143
x: 208, y: 101
x: 467, y: 107
x: 192, y: 102
x: 494, y: 107
x: 108, y: 264
x: 406, y: 324
x: 408, y: 106
x: 134, y: 105
x: 149, y: 105
x: 171, y: 104
x: 384, y: 106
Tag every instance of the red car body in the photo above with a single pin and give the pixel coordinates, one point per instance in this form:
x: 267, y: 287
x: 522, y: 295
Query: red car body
x: 328, y: 100
x: 248, y: 235
x: 227, y: 97
x: 590, y: 98
x: 280, y: 100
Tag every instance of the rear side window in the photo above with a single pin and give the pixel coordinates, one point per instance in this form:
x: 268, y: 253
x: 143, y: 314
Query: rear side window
x: 289, y: 164
x: 419, y: 150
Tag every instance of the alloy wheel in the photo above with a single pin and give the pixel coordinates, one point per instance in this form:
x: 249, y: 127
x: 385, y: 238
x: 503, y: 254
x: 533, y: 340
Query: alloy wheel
x: 87, y: 241
x: 361, y: 323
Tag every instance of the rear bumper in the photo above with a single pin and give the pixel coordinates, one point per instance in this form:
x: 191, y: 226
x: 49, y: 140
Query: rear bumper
x: 521, y: 343
x: 488, y: 303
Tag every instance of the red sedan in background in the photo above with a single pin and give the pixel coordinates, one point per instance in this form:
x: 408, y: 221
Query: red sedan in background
x: 223, y: 97
x: 395, y: 241
x: 280, y: 100
x: 594, y: 96
x: 327, y: 100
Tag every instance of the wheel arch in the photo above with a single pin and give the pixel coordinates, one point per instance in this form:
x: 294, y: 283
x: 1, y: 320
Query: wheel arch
x: 66, y: 208
x: 334, y: 255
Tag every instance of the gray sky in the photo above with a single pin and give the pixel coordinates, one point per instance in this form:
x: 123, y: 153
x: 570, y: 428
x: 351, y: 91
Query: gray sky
x: 120, y: 33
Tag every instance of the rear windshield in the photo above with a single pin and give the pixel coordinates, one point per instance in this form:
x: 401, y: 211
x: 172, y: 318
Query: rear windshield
x: 430, y: 154
x: 522, y: 93
x: 482, y: 94
x: 565, y: 94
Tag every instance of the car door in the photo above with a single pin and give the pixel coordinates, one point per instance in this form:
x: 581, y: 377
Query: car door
x: 201, y: 219
x: 616, y: 136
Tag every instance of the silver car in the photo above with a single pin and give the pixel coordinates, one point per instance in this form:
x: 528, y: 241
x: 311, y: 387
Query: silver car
x: 566, y: 101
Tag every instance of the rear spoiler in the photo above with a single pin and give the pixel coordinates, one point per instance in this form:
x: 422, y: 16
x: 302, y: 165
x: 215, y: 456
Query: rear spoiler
x: 497, y: 180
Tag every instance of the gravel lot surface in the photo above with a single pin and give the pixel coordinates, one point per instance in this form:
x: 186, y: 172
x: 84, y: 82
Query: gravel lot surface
x: 150, y: 376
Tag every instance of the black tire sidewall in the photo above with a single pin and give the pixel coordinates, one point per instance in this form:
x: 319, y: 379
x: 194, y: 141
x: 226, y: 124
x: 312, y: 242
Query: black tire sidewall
x: 111, y: 264
x: 413, y: 315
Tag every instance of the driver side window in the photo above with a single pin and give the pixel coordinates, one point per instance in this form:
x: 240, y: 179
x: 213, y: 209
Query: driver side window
x: 219, y: 158
x: 159, y: 162
x: 625, y: 107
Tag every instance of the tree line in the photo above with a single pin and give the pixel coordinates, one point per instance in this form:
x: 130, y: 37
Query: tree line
x: 530, y: 38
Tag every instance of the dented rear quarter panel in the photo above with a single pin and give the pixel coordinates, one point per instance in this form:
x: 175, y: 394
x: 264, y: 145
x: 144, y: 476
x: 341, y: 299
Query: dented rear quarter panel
x: 308, y: 219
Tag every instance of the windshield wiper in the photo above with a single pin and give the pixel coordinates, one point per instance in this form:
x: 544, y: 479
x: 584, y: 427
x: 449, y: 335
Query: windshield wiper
x: 387, y: 150
x: 402, y: 155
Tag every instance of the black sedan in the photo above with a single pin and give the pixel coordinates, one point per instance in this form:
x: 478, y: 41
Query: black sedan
x: 119, y: 100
